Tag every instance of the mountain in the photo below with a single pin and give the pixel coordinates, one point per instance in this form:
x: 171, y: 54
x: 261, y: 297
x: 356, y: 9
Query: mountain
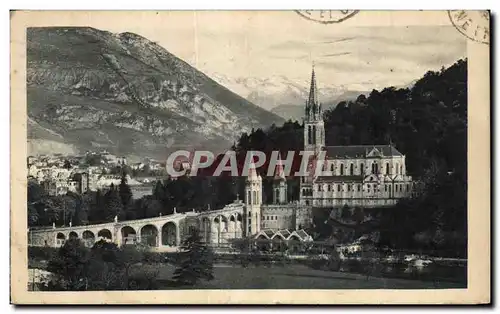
x: 89, y: 89
x: 277, y: 93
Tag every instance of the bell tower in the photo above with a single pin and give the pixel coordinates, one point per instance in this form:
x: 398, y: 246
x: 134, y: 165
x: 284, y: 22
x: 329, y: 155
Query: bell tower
x: 314, y: 128
x: 253, y: 202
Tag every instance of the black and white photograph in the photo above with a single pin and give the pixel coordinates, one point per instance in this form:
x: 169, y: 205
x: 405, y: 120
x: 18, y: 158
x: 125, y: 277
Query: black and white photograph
x: 249, y: 150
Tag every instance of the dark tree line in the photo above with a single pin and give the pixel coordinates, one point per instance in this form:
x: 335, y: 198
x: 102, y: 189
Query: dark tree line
x: 106, y: 266
x: 91, y: 207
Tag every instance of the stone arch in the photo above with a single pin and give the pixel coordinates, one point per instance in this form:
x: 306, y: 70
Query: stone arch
x: 73, y: 235
x: 129, y: 235
x: 341, y: 169
x: 169, y: 234
x: 294, y: 237
x: 278, y: 242
x: 60, y: 239
x: 88, y: 238
x: 190, y: 224
x: 149, y: 235
x: 216, y: 229
x: 278, y: 235
x: 294, y: 243
x: 351, y: 170
x: 216, y: 223
x: 105, y: 233
x: 263, y: 243
x: 224, y: 224
x: 387, y: 172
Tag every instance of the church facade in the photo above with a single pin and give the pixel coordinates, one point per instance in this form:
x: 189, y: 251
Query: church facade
x: 353, y: 176
x: 364, y: 176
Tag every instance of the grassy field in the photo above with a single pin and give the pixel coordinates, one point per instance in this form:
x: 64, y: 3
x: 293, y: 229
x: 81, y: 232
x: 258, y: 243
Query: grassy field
x: 295, y: 277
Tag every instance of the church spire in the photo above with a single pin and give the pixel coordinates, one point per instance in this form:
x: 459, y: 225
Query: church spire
x: 313, y: 90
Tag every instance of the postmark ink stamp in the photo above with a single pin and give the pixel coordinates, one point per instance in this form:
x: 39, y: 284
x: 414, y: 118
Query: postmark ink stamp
x: 474, y: 25
x: 327, y: 16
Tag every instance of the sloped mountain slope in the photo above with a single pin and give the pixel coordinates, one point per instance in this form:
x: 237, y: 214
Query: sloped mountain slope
x: 90, y: 89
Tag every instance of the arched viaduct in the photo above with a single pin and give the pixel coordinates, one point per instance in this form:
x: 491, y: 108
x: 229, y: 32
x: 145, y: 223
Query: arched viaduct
x: 216, y: 227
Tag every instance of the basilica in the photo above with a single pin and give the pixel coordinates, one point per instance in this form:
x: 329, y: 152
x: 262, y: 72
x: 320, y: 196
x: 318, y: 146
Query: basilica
x: 364, y: 176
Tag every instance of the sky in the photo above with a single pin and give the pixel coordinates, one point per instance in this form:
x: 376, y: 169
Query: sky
x: 370, y: 50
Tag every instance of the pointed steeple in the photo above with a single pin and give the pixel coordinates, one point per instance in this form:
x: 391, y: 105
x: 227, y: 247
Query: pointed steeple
x: 313, y: 90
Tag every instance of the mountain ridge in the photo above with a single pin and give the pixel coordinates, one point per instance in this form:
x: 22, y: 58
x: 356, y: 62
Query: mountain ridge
x: 82, y: 81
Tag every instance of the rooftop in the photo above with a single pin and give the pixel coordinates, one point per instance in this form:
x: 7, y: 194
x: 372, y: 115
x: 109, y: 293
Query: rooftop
x: 362, y: 151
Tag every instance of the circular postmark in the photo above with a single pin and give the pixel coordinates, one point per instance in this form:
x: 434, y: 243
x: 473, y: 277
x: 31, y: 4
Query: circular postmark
x: 474, y: 25
x: 327, y: 16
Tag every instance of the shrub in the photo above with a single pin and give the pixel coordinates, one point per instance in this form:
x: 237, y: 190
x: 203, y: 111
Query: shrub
x: 196, y: 261
x: 103, y: 267
x: 41, y: 253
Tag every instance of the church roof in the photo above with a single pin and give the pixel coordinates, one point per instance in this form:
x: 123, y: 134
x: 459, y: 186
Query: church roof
x: 361, y: 151
x: 340, y: 179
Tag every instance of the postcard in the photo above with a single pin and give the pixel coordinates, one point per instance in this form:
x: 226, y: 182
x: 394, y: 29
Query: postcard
x: 250, y: 157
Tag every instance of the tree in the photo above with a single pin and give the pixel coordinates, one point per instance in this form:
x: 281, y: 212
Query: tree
x: 196, y: 261
x: 96, y: 206
x: 103, y: 267
x: 33, y: 216
x: 70, y: 266
x: 67, y: 164
x: 113, y: 204
x: 125, y: 192
x: 35, y: 191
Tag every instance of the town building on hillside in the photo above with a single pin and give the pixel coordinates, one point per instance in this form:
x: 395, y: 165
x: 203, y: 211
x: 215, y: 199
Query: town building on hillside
x: 122, y: 160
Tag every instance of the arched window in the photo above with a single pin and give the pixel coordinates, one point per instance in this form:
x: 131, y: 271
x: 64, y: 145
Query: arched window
x: 309, y: 135
x: 387, y: 168
x: 329, y: 187
x: 341, y: 169
x: 400, y: 169
x: 397, y: 169
x: 314, y: 134
x: 375, y: 168
x: 332, y: 168
x: 352, y: 170
x: 362, y: 170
